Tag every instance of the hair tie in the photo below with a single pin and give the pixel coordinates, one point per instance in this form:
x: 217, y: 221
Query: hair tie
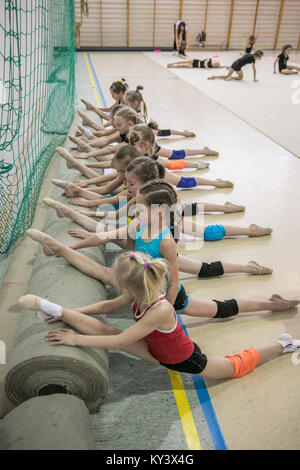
x: 132, y: 255
x: 147, y: 265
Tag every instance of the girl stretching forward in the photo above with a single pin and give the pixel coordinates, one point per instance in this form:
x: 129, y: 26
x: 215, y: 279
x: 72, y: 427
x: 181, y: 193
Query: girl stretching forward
x: 157, y: 336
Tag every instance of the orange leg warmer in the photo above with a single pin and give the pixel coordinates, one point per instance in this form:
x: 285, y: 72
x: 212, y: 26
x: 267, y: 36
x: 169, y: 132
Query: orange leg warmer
x: 245, y: 362
x: 177, y: 165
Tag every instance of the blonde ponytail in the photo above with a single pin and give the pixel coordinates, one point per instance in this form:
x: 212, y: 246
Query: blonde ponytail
x: 140, y: 275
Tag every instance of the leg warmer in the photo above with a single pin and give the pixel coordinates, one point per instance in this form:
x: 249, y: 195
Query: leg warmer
x: 211, y: 269
x: 245, y: 362
x: 178, y: 154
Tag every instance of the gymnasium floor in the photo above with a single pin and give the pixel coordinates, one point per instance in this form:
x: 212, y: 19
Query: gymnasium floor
x: 255, y: 127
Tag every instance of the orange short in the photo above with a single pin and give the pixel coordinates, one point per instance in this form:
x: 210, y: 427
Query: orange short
x: 177, y: 164
x: 245, y: 362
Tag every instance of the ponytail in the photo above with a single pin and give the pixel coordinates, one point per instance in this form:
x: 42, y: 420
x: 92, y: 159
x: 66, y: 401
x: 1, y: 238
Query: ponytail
x: 120, y: 86
x: 146, y: 169
x: 153, y: 125
x: 140, y: 275
x: 136, y: 95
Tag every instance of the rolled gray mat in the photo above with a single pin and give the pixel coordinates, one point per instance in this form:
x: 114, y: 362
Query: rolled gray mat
x: 56, y: 422
x: 37, y: 368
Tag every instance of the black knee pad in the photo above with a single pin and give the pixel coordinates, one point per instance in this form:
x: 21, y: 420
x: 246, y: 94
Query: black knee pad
x: 190, y: 209
x: 164, y: 132
x: 211, y: 269
x: 227, y: 308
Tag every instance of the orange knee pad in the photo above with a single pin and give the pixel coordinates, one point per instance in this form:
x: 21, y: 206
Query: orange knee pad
x: 245, y: 362
x: 176, y: 164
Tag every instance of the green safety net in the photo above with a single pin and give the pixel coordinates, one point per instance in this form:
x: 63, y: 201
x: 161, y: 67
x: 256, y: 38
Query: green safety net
x: 37, y: 95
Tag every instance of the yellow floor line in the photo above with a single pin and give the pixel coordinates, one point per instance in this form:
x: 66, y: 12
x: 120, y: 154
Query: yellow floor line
x: 92, y: 79
x: 187, y: 420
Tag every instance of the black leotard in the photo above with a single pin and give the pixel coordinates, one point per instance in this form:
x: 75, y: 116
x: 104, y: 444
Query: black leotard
x: 239, y: 63
x: 200, y: 64
x: 282, y: 62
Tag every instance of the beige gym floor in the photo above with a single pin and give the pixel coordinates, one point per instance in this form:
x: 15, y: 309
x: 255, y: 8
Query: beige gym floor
x: 261, y: 410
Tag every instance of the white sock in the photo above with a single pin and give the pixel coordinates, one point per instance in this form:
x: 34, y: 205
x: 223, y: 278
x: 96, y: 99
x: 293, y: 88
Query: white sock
x: 51, y: 309
x: 284, y: 344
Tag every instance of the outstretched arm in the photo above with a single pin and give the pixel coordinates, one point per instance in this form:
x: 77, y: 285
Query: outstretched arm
x: 105, y: 307
x: 131, y: 335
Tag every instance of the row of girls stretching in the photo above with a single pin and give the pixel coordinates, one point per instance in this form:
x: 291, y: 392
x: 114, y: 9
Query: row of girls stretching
x: 146, y: 274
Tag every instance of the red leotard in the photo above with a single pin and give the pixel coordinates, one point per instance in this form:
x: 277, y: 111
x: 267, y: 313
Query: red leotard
x: 168, y: 347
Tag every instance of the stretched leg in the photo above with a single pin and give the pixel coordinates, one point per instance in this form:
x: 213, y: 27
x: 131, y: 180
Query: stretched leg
x: 86, y: 121
x: 99, y: 154
x: 184, y: 133
x: 218, y: 183
x: 181, y: 64
x: 72, y: 190
x: 81, y: 145
x: 205, y: 151
x: 64, y: 211
x: 229, y: 308
x: 91, y: 225
x: 204, y: 270
x: 73, y: 163
x: 76, y: 259
x: 241, y: 364
x: 227, y: 208
x: 252, y: 231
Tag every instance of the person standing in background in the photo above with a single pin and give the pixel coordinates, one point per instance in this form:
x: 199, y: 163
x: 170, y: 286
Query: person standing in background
x: 180, y: 43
